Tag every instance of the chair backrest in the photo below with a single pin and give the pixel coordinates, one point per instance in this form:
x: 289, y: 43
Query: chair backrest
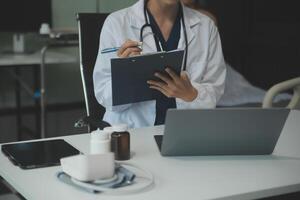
x: 90, y: 25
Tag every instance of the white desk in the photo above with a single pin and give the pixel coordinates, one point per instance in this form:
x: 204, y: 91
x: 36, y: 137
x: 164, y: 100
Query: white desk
x: 180, y: 178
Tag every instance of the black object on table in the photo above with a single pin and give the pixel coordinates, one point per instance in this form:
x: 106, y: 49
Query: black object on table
x: 30, y: 155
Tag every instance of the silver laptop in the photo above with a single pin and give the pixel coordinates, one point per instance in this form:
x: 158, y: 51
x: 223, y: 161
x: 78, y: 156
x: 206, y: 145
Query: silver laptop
x: 239, y: 131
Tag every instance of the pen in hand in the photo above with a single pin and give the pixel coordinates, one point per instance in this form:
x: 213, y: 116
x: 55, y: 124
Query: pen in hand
x: 110, y: 50
x: 114, y: 49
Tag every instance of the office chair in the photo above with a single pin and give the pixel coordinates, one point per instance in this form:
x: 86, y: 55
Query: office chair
x: 89, y: 28
x: 293, y: 84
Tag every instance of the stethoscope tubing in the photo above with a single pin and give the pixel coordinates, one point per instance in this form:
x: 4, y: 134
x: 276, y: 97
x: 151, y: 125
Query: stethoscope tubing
x: 147, y: 24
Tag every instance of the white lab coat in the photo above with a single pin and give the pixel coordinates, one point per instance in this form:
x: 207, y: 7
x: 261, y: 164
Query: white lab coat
x: 205, y: 63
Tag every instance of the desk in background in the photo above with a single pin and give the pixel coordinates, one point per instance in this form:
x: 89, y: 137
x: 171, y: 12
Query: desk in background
x: 39, y: 59
x: 12, y: 60
x: 227, y: 177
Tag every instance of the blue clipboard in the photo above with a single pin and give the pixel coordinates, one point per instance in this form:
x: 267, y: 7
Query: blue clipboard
x: 130, y: 75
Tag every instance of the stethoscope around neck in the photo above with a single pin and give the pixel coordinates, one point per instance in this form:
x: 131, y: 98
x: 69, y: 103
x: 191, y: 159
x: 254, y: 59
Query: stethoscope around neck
x: 147, y: 24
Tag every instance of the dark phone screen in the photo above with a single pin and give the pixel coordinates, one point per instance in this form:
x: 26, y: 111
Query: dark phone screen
x: 31, y: 155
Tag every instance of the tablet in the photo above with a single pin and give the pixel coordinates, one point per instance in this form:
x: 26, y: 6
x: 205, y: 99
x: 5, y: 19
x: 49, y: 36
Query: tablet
x: 30, y: 155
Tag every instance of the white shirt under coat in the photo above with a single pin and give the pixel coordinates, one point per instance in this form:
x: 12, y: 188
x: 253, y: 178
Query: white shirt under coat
x: 205, y: 63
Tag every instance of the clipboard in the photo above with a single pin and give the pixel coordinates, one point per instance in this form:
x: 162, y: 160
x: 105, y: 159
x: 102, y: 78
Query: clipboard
x: 130, y: 75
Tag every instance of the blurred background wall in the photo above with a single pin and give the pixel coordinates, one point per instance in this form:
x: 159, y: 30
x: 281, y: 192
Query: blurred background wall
x: 63, y: 81
x: 260, y: 40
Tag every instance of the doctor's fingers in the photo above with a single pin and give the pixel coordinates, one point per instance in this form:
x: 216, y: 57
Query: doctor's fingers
x: 130, y: 51
x: 170, y: 90
x: 184, y: 76
x: 186, y: 82
x: 173, y: 75
x: 136, y: 53
x: 167, y: 83
x: 159, y: 84
x: 173, y: 82
x: 163, y: 78
x: 127, y: 44
x: 163, y: 91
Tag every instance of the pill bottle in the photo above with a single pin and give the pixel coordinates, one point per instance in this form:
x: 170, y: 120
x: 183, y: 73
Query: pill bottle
x: 120, y: 142
x: 100, y: 142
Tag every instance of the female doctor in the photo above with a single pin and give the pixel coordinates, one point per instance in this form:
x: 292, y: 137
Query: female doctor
x: 162, y: 25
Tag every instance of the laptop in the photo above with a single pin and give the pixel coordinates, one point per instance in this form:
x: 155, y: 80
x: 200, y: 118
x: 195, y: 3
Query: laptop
x: 216, y: 132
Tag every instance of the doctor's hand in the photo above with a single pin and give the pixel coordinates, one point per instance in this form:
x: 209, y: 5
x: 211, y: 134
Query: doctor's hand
x: 174, y: 85
x: 129, y: 48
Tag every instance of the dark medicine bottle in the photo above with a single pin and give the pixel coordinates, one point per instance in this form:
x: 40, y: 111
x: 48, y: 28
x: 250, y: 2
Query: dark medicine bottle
x: 120, y: 142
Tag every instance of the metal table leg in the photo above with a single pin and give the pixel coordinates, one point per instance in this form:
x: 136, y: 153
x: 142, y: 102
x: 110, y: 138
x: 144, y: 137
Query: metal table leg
x: 36, y: 95
x: 42, y: 91
x: 19, y: 84
x: 43, y: 85
x: 18, y: 105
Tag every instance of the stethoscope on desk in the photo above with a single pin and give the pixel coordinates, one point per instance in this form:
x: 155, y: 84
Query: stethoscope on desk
x: 147, y: 24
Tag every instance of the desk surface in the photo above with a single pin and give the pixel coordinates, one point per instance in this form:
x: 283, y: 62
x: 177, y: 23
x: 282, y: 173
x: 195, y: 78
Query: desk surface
x: 35, y: 59
x: 245, y: 177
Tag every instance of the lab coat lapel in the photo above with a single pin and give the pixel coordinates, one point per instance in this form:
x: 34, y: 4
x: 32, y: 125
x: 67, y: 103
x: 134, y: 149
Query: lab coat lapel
x: 137, y: 20
x: 191, y: 21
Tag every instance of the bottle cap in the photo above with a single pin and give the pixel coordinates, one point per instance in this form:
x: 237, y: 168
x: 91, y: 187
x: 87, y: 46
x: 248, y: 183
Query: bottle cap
x: 109, y: 129
x: 100, y: 135
x: 117, y: 128
x: 120, y: 127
